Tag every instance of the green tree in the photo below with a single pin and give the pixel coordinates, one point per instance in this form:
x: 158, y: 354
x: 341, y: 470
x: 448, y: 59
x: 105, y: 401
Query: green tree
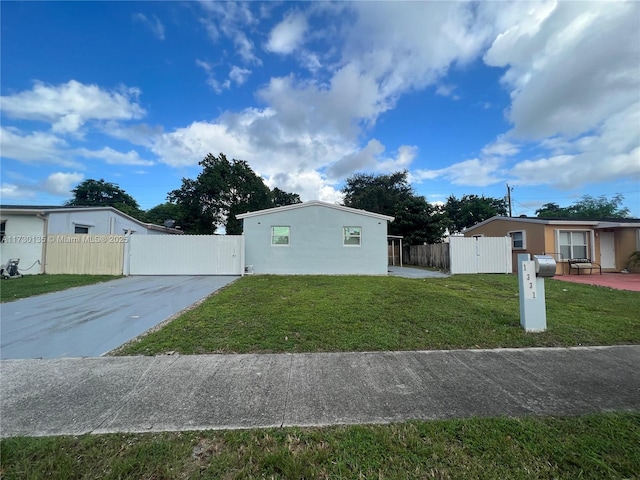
x: 377, y: 193
x: 280, y: 198
x: 471, y: 209
x: 221, y: 191
x: 587, y: 208
x: 166, y: 211
x: 551, y: 210
x: 415, y: 219
x: 98, y: 193
x: 418, y: 221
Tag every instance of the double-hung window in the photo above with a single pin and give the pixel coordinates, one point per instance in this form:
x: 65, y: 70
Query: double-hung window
x: 280, y: 235
x: 352, y: 236
x: 518, y: 240
x: 573, y: 244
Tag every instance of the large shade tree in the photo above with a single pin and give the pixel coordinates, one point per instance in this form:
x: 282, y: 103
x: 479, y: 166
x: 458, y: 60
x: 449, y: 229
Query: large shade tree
x: 99, y: 193
x: 415, y: 219
x: 587, y: 208
x: 280, y: 198
x: 223, y: 190
x: 166, y: 212
x: 471, y: 209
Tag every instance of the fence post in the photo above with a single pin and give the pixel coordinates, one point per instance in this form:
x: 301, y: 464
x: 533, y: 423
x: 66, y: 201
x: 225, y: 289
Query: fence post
x: 126, y: 261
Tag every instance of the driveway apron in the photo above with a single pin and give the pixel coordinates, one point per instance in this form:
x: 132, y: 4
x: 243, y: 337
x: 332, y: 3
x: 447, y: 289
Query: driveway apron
x: 90, y: 321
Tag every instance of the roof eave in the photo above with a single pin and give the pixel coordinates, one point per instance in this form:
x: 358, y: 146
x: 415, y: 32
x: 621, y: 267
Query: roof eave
x: 312, y: 203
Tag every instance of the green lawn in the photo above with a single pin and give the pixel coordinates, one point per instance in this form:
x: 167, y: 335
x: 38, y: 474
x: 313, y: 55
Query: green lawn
x: 587, y: 447
x: 357, y: 313
x: 38, y: 284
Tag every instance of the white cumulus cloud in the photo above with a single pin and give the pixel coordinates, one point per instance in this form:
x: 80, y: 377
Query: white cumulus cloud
x: 473, y: 173
x: 113, y: 157
x: 570, y: 66
x: 68, y: 106
x: 239, y: 75
x: 15, y: 192
x: 231, y: 20
x: 61, y: 183
x: 36, y: 147
x: 288, y: 35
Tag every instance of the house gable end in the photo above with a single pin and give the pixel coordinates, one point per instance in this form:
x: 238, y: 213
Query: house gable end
x: 314, y: 203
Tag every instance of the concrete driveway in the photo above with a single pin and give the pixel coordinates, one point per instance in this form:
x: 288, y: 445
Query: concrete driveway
x: 90, y: 321
x: 409, y: 272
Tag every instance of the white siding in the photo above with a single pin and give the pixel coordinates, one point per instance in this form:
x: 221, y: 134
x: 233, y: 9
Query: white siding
x: 184, y: 255
x: 316, y: 243
x: 24, y: 240
x: 480, y: 255
x: 100, y: 222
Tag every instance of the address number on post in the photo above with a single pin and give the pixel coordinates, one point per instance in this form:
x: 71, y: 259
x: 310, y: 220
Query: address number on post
x: 529, y: 279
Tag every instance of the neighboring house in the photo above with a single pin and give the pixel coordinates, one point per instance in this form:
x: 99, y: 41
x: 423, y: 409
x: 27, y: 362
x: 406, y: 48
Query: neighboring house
x: 608, y: 242
x: 315, y: 238
x: 25, y: 230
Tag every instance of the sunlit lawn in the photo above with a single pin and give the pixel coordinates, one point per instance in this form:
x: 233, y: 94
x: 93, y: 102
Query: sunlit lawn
x: 358, y: 313
x: 30, y: 285
x: 589, y: 447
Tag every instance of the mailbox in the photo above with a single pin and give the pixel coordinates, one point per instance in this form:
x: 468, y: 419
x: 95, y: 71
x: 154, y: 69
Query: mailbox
x: 545, y: 266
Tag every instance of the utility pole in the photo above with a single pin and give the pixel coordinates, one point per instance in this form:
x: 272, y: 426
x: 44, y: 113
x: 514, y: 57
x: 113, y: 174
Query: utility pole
x: 509, y: 189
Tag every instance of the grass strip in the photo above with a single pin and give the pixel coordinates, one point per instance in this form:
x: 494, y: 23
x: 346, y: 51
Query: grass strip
x: 30, y: 285
x: 589, y: 447
x: 260, y: 314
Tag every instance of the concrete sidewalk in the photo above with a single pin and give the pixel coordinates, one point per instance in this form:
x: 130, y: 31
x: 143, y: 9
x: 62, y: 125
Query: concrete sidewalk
x: 168, y: 393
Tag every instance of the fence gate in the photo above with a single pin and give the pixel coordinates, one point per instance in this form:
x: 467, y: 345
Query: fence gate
x: 184, y: 255
x: 82, y: 254
x: 480, y: 255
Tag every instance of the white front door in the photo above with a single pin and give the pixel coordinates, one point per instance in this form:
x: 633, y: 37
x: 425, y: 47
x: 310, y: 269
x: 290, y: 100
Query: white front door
x: 607, y: 250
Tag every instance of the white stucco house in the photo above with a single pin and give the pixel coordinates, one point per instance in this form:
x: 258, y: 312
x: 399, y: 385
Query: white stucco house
x: 315, y: 238
x: 24, y: 230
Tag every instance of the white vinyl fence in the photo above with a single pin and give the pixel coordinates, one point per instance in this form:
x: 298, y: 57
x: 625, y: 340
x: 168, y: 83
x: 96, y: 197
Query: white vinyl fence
x: 480, y: 255
x: 184, y: 255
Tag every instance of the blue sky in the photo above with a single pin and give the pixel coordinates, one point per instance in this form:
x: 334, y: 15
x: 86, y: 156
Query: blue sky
x: 544, y: 96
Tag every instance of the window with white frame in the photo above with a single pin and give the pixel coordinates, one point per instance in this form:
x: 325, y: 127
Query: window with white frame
x: 518, y: 240
x: 81, y: 229
x: 573, y: 244
x: 280, y: 235
x: 3, y: 230
x: 352, y: 236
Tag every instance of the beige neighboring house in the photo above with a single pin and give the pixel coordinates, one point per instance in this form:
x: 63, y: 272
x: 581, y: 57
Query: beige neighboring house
x: 608, y: 242
x: 24, y: 230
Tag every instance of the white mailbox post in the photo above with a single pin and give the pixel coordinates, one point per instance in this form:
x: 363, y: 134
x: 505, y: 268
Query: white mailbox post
x: 531, y: 275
